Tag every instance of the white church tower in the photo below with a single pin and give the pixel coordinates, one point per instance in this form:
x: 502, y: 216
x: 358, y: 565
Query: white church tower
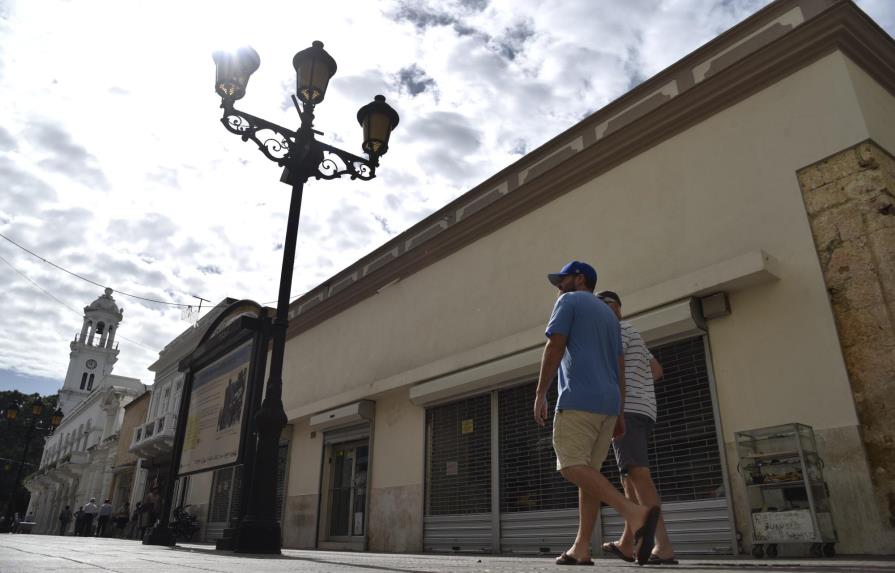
x: 93, y: 351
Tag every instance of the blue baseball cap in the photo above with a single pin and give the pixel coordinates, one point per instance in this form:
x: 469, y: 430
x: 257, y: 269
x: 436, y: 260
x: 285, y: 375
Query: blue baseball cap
x: 574, y: 268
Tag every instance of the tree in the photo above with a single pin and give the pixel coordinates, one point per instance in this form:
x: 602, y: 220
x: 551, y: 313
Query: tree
x: 12, y: 442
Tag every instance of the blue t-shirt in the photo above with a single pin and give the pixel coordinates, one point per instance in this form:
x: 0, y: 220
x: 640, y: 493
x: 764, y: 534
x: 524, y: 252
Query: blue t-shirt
x: 588, y: 374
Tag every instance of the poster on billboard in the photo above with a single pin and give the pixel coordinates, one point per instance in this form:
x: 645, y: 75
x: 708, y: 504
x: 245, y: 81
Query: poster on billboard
x: 216, y: 410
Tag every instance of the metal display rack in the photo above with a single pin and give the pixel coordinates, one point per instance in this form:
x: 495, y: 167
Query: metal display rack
x: 788, y: 497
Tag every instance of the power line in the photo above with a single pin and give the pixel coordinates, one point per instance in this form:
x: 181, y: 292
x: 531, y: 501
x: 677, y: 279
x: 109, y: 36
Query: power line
x: 42, y: 289
x: 52, y: 296
x: 76, y: 275
x: 93, y: 282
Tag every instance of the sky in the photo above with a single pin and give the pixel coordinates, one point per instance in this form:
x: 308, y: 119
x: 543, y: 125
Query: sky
x: 114, y: 164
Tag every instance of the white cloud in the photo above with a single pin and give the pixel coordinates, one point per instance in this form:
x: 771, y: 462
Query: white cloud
x: 115, y: 164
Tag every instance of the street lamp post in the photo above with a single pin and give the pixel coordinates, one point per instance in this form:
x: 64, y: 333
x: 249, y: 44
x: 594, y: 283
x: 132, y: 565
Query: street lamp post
x: 302, y: 157
x: 11, y: 414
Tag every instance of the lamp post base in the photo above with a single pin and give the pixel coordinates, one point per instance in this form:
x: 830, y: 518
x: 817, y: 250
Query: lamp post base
x: 160, y: 536
x: 258, y: 537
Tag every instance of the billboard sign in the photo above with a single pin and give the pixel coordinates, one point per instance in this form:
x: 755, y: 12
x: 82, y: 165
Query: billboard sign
x: 216, y: 412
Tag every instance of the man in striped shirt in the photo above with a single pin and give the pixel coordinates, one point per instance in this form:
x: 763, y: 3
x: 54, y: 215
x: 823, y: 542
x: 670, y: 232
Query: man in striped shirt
x: 641, y: 370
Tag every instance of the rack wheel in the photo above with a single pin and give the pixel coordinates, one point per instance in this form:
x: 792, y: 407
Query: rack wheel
x: 816, y: 549
x: 757, y: 551
x: 771, y: 550
x: 829, y: 549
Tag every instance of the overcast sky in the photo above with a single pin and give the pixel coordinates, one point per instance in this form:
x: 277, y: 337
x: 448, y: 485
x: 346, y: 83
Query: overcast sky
x: 114, y: 165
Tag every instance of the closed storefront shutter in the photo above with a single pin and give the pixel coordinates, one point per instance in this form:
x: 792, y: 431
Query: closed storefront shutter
x: 222, y: 487
x: 458, y: 476
x: 684, y: 455
x: 539, y: 509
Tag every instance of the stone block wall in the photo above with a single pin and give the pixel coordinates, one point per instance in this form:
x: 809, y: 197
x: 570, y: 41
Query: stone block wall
x: 850, y: 200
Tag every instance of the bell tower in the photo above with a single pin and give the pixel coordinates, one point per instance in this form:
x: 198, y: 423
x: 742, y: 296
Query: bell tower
x: 93, y: 351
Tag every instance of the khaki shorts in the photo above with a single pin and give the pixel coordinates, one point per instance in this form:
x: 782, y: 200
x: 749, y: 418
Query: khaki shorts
x: 581, y: 438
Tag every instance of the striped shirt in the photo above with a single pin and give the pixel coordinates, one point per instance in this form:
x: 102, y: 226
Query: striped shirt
x: 640, y: 396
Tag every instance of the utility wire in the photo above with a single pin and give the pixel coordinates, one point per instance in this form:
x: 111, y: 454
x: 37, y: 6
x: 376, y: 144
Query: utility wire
x: 42, y: 289
x: 76, y: 275
x: 52, y: 296
x: 63, y: 269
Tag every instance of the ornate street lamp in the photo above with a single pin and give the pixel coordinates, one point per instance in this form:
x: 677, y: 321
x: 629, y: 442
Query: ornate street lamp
x: 12, y: 412
x: 233, y: 71
x: 313, y: 70
x: 56, y: 418
x: 34, y: 423
x: 301, y: 156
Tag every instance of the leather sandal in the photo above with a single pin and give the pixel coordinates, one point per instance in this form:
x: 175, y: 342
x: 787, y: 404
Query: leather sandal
x: 647, y: 536
x: 614, y: 549
x: 566, y: 559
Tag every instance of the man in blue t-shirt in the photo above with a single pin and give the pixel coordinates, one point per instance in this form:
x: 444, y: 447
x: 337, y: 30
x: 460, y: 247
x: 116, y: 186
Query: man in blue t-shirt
x: 584, y: 348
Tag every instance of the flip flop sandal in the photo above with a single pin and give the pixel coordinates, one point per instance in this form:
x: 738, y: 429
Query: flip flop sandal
x: 647, y: 536
x: 614, y: 549
x: 656, y: 560
x: 566, y: 559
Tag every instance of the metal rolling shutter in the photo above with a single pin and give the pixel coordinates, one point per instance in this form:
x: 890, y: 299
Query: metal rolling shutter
x: 226, y: 494
x: 538, y: 508
x: 219, y: 505
x: 458, y: 476
x: 684, y: 456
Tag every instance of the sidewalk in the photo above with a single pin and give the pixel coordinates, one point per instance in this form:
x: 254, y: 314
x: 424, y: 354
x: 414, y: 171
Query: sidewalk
x: 53, y: 554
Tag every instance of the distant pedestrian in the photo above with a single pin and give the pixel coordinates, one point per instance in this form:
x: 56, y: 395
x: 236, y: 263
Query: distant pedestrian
x: 584, y: 351
x: 122, y: 516
x: 79, y: 521
x: 150, y: 511
x: 642, y: 370
x: 90, y: 511
x: 64, y: 520
x: 105, y: 514
x: 16, y: 523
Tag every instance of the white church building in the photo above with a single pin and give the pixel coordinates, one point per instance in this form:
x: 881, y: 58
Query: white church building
x: 79, y: 455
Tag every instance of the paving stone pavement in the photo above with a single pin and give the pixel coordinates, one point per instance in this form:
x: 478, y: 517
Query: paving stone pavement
x: 53, y: 554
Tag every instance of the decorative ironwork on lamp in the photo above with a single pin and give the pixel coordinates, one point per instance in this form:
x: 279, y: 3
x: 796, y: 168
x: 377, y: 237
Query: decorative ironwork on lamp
x: 298, y: 151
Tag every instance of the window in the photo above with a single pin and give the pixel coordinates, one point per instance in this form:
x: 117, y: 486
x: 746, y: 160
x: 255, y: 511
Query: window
x: 84, y: 381
x: 90, y: 382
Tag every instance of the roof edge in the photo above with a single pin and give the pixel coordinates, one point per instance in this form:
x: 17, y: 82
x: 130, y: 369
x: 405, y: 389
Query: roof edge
x: 740, y: 62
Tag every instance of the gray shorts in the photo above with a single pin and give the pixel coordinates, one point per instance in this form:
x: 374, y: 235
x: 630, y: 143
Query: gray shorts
x: 631, y: 449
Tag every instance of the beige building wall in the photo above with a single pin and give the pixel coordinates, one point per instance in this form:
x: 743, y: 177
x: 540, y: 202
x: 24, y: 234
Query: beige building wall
x: 722, y: 188
x: 134, y: 415
x: 396, y: 492
x: 683, y: 205
x: 877, y: 106
x: 299, y: 523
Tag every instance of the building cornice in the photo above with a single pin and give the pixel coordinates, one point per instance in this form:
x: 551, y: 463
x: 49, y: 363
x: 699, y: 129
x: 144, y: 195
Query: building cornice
x: 95, y: 396
x: 782, y: 38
